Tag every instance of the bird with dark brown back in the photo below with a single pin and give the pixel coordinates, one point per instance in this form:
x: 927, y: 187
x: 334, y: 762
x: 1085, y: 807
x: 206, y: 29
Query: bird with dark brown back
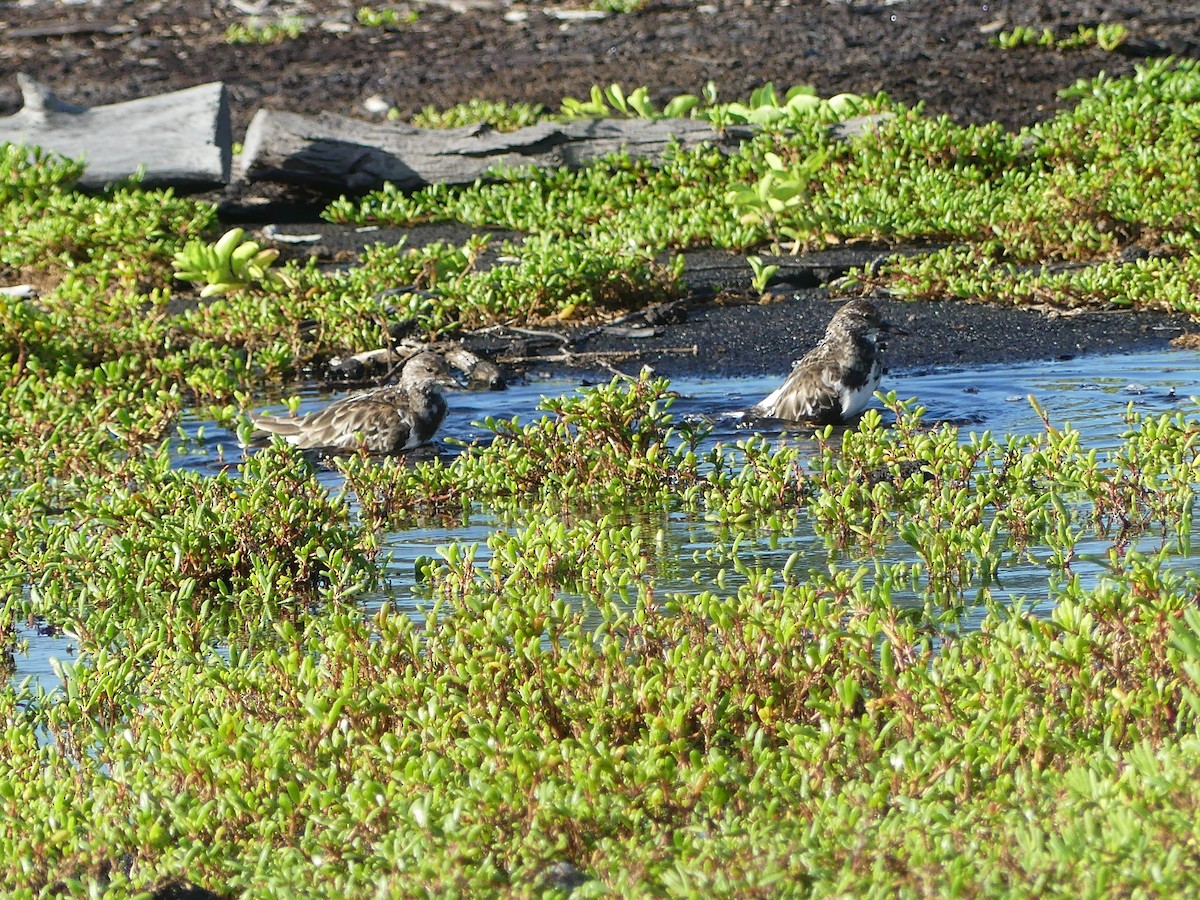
x: 385, y: 420
x: 835, y: 380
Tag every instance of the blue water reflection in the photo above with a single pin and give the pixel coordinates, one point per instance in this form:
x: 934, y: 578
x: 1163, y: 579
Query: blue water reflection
x: 1089, y: 393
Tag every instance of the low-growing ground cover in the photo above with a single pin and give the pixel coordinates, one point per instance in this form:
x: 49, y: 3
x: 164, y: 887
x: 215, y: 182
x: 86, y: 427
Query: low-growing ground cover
x: 554, y: 722
x: 1107, y: 182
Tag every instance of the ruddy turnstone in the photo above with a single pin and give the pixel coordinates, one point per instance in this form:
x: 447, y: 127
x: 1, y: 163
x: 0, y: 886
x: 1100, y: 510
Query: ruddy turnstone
x: 837, y: 378
x: 388, y: 419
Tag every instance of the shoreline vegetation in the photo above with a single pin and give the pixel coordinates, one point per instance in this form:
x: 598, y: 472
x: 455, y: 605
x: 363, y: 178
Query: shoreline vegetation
x: 548, y: 723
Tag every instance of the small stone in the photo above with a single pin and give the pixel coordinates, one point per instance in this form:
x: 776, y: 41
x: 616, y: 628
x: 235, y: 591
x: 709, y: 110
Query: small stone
x: 376, y: 105
x: 576, y: 15
x: 563, y: 875
x: 665, y: 314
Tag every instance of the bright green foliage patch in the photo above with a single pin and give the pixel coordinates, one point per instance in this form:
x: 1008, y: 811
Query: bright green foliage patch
x: 60, y: 423
x: 229, y: 264
x: 1112, y: 174
x: 218, y: 558
x: 31, y: 174
x: 549, y: 701
x: 550, y: 706
x: 110, y: 241
x: 1166, y: 282
x: 1107, y: 36
x: 677, y: 205
x: 256, y: 30
x: 1107, y: 183
x: 385, y: 17
x: 499, y: 115
x: 798, y: 108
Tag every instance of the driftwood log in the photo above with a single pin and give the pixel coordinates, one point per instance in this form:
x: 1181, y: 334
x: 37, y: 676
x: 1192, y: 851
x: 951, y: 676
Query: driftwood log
x: 183, y: 139
x: 482, y: 374
x: 333, y: 153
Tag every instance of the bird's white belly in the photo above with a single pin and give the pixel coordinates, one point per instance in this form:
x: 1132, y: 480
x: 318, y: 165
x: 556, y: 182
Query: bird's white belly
x: 855, y: 400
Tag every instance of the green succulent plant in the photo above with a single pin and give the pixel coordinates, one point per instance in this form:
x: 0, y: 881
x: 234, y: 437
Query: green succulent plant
x: 229, y: 264
x: 258, y: 31
x: 612, y: 646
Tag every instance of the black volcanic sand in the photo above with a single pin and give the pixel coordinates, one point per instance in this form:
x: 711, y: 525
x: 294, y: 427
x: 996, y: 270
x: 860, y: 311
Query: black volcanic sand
x: 762, y: 336
x: 723, y: 327
x: 936, y: 52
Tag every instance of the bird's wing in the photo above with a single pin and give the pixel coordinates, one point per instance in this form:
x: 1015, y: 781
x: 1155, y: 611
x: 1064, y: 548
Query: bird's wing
x: 370, y: 420
x: 365, y: 420
x: 810, y: 393
x: 287, y: 427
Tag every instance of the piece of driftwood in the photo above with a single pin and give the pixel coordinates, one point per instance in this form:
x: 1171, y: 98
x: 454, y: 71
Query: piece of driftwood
x: 182, y: 139
x: 333, y: 153
x: 589, y: 357
x: 481, y: 373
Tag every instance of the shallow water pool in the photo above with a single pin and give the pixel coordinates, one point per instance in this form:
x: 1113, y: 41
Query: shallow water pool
x: 1089, y: 393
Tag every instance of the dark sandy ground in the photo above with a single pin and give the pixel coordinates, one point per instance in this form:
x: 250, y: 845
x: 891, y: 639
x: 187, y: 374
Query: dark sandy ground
x: 723, y: 327
x: 762, y: 337
x: 937, y: 52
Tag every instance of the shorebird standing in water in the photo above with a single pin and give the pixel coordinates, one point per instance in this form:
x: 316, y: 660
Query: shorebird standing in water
x: 837, y: 378
x: 388, y: 419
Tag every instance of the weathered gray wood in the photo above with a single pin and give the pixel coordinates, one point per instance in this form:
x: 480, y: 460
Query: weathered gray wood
x: 481, y: 373
x: 334, y: 153
x: 183, y: 139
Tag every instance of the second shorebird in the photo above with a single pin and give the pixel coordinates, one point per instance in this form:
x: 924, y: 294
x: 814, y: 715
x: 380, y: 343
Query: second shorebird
x: 388, y: 419
x: 835, y: 380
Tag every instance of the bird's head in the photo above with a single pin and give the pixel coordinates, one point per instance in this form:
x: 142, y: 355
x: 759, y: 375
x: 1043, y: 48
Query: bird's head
x: 424, y: 369
x: 862, y: 316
